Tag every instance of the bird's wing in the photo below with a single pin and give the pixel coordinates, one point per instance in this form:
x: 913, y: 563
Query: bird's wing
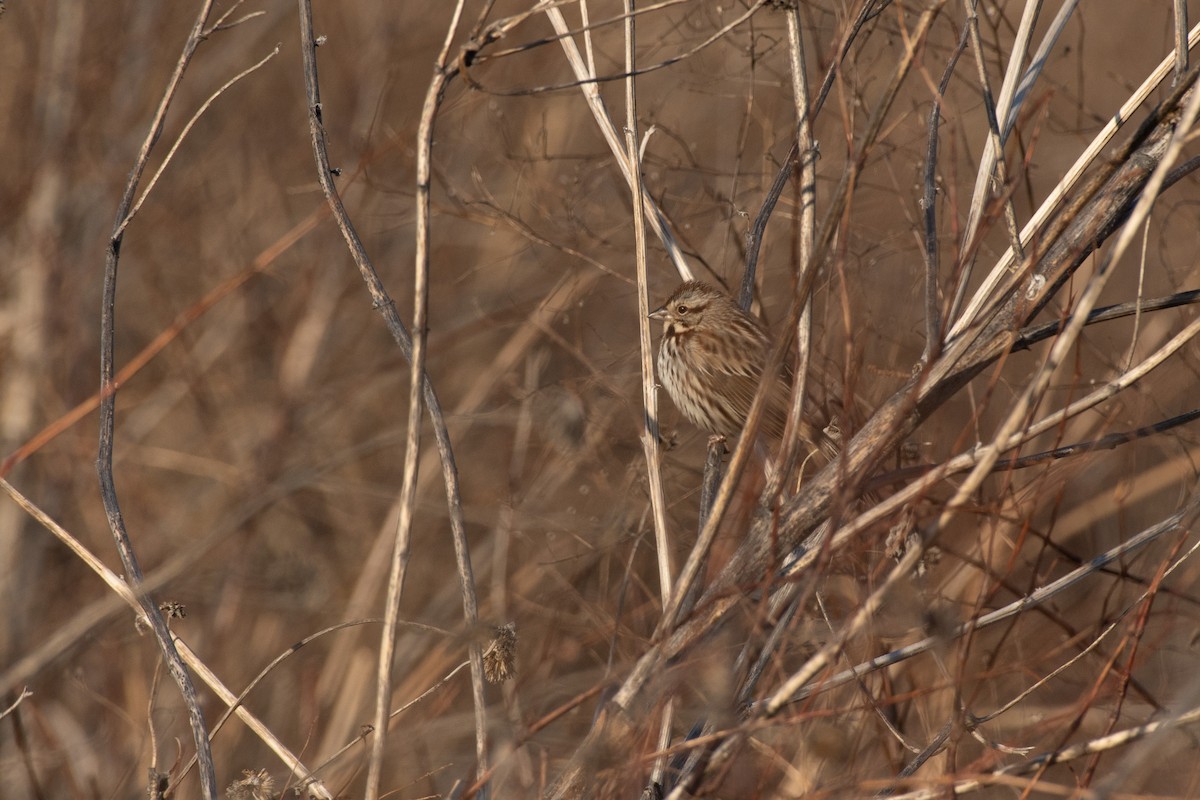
x: 735, y: 381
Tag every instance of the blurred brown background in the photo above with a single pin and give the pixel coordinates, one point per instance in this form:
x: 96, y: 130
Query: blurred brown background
x: 258, y: 456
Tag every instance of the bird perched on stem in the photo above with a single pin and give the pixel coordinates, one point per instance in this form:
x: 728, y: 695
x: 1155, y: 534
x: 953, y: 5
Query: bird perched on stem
x: 711, y: 361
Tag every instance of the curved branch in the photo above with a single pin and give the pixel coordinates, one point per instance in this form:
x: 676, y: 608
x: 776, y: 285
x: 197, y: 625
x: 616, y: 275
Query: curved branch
x: 108, y: 411
x: 420, y: 385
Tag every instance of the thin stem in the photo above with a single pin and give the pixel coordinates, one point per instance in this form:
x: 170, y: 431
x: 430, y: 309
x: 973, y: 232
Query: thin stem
x: 933, y: 316
x: 383, y: 303
x: 650, y: 438
x: 108, y: 407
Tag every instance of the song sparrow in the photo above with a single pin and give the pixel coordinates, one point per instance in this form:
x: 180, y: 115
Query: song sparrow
x: 711, y: 361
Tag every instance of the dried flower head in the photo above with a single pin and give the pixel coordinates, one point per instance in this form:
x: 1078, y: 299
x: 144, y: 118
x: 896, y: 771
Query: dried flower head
x: 256, y: 785
x: 500, y: 658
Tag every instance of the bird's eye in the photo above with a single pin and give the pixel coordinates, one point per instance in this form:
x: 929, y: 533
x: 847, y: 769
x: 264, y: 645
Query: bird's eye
x: 681, y: 309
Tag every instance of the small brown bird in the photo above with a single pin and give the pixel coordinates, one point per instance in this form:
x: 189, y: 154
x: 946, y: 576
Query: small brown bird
x: 711, y: 360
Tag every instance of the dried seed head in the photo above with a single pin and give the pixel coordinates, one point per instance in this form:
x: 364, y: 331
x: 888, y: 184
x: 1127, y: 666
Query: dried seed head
x: 256, y: 785
x: 500, y: 658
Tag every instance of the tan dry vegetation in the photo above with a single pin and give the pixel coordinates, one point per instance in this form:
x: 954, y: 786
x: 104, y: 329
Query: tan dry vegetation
x: 258, y: 455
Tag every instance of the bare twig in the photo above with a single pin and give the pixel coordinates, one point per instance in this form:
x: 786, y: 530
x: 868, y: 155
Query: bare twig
x: 790, y: 449
x: 1181, y: 39
x: 995, y: 143
x: 650, y: 437
x: 1061, y: 756
x: 279, y: 659
x: 122, y: 590
x: 16, y: 702
x: 413, y: 350
x: 992, y: 159
x: 969, y: 460
x: 183, y: 135
x: 1067, y: 187
x: 800, y: 689
x: 1078, y: 319
x: 933, y: 305
x: 868, y: 11
x: 350, y: 745
x: 1034, y: 334
x: 108, y: 406
x: 966, y: 357
x: 583, y: 79
x: 587, y: 84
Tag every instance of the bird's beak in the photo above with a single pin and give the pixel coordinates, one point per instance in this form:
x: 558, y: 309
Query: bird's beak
x: 659, y: 313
